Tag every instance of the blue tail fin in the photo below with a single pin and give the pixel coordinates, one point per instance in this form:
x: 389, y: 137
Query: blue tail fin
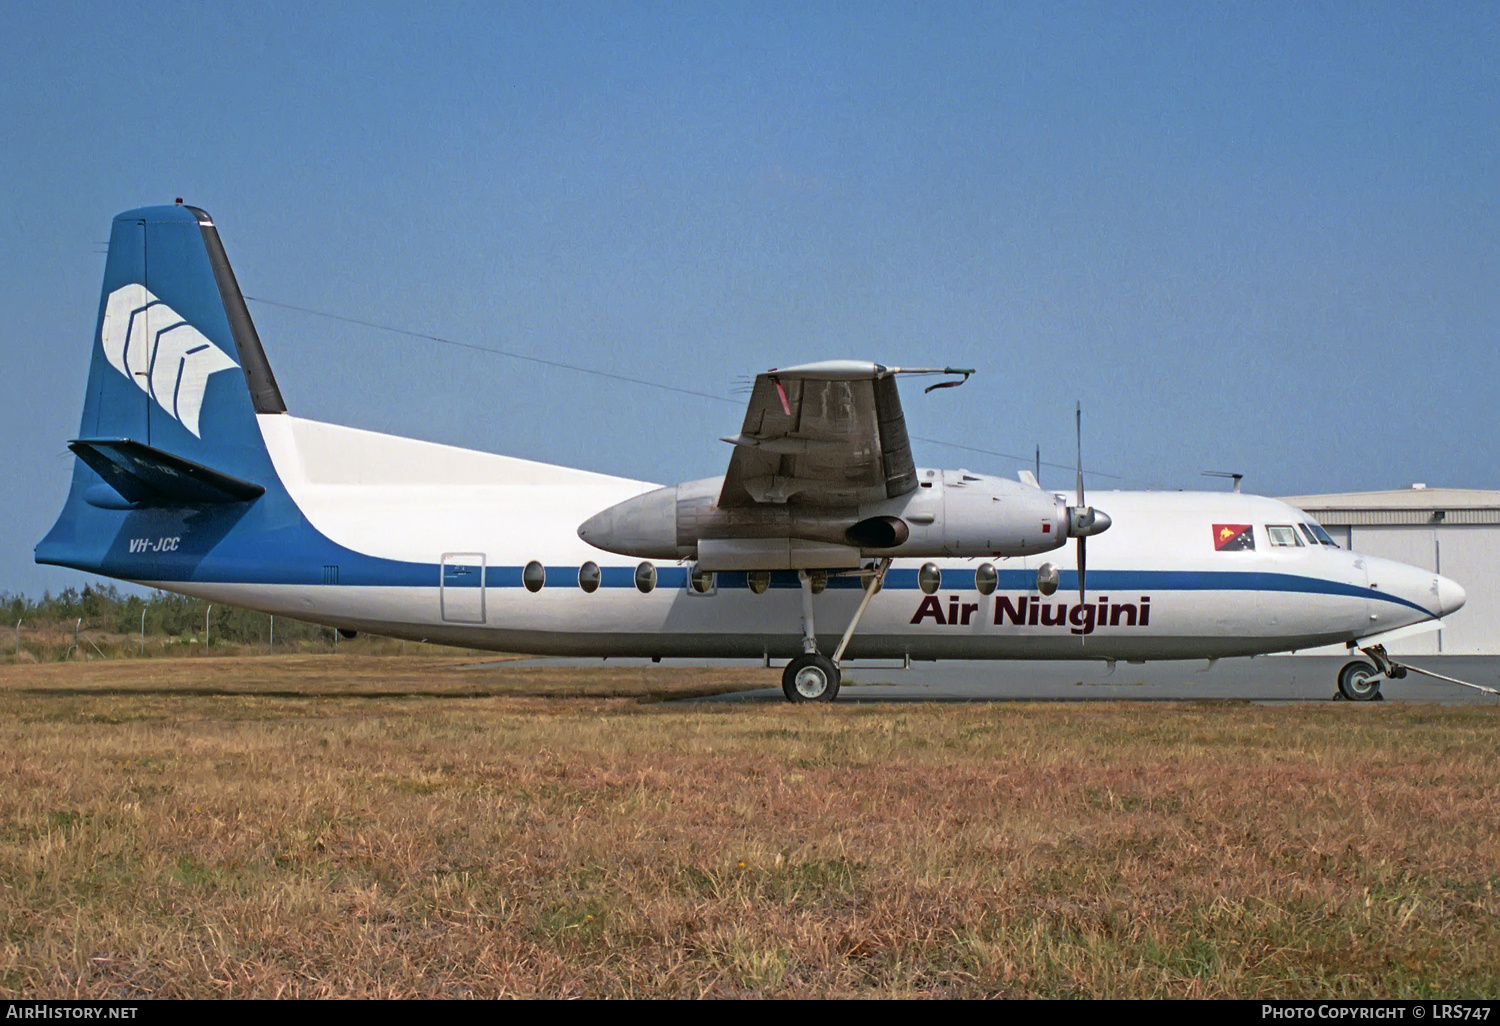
x: 177, y: 378
x: 172, y: 331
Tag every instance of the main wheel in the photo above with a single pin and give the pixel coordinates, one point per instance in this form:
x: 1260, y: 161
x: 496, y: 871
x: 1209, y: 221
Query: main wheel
x: 1359, y: 682
x: 810, y: 678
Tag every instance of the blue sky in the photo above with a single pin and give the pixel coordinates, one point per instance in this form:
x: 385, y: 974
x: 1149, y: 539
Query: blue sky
x: 1256, y: 237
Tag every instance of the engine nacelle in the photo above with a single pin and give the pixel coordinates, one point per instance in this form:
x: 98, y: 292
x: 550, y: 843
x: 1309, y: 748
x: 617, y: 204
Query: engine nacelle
x: 952, y: 513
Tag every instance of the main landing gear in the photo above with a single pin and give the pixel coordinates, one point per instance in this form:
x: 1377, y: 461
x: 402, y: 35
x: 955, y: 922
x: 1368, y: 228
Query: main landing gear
x: 812, y: 676
x: 1359, y: 681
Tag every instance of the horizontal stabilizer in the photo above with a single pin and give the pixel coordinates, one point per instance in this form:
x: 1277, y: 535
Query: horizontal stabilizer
x: 145, y: 475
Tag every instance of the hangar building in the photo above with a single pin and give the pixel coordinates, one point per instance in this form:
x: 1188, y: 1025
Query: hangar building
x: 1452, y: 531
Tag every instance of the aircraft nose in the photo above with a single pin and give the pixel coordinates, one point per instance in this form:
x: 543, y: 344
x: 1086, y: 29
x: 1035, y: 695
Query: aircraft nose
x: 1451, y: 596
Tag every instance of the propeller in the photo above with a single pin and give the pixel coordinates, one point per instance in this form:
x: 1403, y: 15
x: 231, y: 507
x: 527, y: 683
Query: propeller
x: 1083, y: 520
x: 1087, y: 519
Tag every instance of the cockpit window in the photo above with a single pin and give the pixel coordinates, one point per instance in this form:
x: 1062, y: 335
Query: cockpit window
x: 1317, y: 535
x: 1283, y: 535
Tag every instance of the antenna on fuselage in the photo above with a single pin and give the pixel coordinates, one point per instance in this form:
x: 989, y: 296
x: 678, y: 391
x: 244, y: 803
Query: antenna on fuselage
x: 1226, y: 473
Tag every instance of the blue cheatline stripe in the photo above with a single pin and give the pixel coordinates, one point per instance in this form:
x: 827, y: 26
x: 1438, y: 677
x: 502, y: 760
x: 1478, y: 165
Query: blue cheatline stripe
x: 567, y: 576
x: 1100, y: 582
x: 304, y: 564
x: 275, y: 545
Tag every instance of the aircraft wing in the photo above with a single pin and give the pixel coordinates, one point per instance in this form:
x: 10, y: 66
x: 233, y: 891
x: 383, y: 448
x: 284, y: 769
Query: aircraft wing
x: 822, y: 434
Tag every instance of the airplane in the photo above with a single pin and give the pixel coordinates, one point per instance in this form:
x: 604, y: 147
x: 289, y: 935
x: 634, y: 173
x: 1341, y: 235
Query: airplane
x: 192, y: 476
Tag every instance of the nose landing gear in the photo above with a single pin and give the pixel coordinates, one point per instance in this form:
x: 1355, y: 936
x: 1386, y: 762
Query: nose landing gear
x: 1359, y: 681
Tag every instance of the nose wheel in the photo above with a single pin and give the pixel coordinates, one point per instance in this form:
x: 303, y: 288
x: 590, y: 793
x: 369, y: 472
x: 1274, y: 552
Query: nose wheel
x: 1360, y: 682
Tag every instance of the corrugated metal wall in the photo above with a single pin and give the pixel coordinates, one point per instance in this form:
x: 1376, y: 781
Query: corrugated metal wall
x: 1415, y: 517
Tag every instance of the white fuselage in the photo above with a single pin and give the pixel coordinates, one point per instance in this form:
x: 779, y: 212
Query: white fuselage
x: 1157, y: 587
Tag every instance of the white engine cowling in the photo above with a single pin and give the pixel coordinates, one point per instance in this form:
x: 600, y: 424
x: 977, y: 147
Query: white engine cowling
x: 951, y: 513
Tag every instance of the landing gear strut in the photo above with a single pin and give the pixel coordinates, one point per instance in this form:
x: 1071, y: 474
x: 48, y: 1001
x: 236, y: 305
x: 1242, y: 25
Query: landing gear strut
x: 812, y: 676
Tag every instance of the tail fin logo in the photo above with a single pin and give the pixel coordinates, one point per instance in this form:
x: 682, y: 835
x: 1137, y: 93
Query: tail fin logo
x: 166, y: 357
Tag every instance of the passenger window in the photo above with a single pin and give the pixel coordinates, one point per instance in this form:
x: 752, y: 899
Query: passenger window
x: 534, y: 576
x: 702, y: 581
x: 1283, y: 535
x: 645, y: 577
x: 929, y: 578
x: 985, y: 578
x: 588, y: 577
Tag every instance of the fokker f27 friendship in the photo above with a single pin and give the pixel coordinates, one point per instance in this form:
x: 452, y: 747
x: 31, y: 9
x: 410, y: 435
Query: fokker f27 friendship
x: 823, y: 542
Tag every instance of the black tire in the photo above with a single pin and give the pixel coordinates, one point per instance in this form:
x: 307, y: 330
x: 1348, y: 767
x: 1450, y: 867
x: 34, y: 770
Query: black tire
x: 810, y: 678
x: 1359, y: 682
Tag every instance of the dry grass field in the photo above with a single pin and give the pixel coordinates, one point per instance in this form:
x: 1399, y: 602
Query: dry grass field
x: 311, y: 826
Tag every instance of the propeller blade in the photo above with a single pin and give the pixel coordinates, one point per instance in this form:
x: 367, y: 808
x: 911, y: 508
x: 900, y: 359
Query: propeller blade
x: 1082, y: 560
x: 1078, y: 437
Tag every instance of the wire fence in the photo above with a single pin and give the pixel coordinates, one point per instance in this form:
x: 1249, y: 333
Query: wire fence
x: 98, y: 622
x: 52, y: 641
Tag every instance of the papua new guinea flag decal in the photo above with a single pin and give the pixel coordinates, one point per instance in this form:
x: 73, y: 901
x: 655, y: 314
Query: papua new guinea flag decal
x: 1231, y: 537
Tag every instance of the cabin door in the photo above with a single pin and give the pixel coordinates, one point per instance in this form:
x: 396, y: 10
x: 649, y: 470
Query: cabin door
x: 461, y: 591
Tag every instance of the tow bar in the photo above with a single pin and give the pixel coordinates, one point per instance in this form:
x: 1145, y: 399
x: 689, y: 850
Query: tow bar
x: 1395, y: 671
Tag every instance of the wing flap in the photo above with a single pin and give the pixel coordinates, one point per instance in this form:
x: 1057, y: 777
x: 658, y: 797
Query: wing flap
x: 895, y: 445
